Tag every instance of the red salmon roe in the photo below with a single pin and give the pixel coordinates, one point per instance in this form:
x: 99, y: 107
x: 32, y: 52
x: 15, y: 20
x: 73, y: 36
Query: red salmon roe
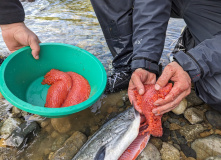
x: 146, y: 104
x: 61, y: 84
x: 66, y: 89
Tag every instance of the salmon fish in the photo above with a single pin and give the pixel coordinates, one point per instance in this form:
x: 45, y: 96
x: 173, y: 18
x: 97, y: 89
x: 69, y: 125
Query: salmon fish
x: 113, y: 138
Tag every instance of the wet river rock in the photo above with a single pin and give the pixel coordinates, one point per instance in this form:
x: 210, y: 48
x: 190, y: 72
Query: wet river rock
x: 70, y: 147
x: 174, y: 120
x: 36, y: 118
x: 59, y: 141
x: 174, y: 126
x: 214, y: 158
x: 193, y: 99
x: 7, y: 154
x: 214, y: 118
x: 5, y: 106
x: 181, y: 107
x: 208, y: 146
x: 157, y: 142
x: 191, y: 132
x: 149, y: 153
x: 1, y: 96
x: 193, y: 115
x: 16, y: 112
x: 166, y: 134
x: 177, y: 138
x: 62, y: 125
x: 23, y: 134
x: 188, y: 151
x: 8, y: 126
x: 169, y: 152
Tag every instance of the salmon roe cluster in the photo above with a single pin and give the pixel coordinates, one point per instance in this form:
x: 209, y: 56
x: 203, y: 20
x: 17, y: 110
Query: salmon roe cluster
x: 67, y: 89
x: 146, y: 104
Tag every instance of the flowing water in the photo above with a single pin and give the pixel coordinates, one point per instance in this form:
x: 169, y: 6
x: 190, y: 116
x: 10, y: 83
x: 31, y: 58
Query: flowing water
x: 74, y: 22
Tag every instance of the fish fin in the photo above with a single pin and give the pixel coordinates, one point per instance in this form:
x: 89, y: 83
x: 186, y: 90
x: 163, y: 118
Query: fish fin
x: 101, y: 153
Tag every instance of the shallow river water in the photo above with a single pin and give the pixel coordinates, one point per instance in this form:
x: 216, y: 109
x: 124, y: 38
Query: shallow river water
x: 74, y: 22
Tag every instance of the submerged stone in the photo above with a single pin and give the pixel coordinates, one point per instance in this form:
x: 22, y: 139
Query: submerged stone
x: 8, y: 126
x: 7, y: 154
x: 157, y: 142
x: 36, y: 118
x: 193, y: 115
x: 174, y: 120
x: 169, y: 152
x: 188, y: 151
x: 214, y: 158
x: 5, y: 106
x: 191, y: 132
x: 207, y: 147
x: 2, y: 143
x: 177, y: 138
x: 193, y: 99
x: 174, y: 126
x: 59, y: 142
x: 62, y: 125
x: 23, y: 134
x: 181, y: 107
x: 166, y: 134
x: 16, y: 112
x: 70, y: 147
x: 149, y: 153
x: 214, y: 118
x: 1, y: 96
x: 166, y: 124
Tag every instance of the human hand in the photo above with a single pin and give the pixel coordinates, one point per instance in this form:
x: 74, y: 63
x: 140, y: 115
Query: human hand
x: 181, y: 88
x: 137, y: 81
x: 17, y: 35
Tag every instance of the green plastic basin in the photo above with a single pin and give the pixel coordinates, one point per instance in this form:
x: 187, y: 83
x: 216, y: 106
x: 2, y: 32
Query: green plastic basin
x: 21, y: 76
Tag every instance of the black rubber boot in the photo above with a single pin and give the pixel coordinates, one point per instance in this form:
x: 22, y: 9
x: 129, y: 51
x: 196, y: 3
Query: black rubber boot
x: 118, y: 81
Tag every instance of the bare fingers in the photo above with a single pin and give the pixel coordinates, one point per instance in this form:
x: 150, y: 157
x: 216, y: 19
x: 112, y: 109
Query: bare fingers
x: 136, y: 79
x: 178, y: 89
x: 34, y: 44
x: 170, y: 106
x: 132, y: 97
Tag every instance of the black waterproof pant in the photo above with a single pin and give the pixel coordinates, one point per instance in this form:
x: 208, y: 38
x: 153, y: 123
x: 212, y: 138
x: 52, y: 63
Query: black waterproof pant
x: 115, y: 18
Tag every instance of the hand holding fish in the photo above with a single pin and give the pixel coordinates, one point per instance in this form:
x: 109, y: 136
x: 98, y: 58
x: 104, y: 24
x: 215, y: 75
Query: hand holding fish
x: 17, y: 35
x: 139, y: 78
x: 181, y: 87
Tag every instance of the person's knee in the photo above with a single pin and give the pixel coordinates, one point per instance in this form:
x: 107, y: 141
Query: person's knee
x: 215, y: 103
x: 211, y: 100
x: 209, y: 90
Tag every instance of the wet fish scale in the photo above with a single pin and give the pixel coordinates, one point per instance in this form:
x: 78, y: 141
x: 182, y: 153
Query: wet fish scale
x: 146, y: 104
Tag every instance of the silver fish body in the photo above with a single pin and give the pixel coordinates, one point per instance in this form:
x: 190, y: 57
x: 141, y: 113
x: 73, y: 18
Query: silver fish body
x: 113, y: 138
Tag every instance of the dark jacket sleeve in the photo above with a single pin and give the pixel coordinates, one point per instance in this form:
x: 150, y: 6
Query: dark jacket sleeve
x: 150, y: 20
x: 11, y: 11
x: 204, y: 60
